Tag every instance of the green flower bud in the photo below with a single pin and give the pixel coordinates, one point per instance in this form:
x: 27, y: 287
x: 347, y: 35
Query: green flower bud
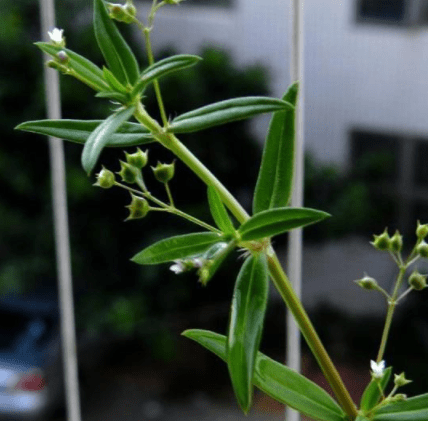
x: 417, y: 281
x: 367, y: 283
x: 400, y: 380
x: 173, y: 1
x: 138, y: 208
x: 138, y: 159
x: 62, y: 57
x: 382, y: 242
x: 164, y: 172
x: 128, y: 172
x: 57, y: 66
x: 122, y: 13
x: 105, y: 179
x: 399, y: 397
x: 396, y: 243
x: 422, y: 230
x: 422, y: 249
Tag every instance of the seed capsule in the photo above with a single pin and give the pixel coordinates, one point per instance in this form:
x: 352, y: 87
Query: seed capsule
x: 417, y: 281
x: 105, y: 179
x: 164, y: 172
x: 138, y: 208
x: 128, y: 172
x: 138, y: 159
x: 382, y: 242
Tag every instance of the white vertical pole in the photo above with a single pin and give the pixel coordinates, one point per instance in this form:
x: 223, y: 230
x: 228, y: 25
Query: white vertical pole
x: 59, y: 204
x: 293, y: 356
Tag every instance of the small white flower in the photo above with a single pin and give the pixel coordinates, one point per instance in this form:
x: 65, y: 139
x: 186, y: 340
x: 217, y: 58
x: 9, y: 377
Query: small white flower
x: 198, y: 262
x: 377, y: 368
x: 178, y: 267
x: 56, y: 36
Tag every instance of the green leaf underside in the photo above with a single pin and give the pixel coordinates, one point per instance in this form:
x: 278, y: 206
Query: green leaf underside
x: 277, y: 221
x: 128, y: 134
x: 164, y: 67
x: 413, y: 409
x: 278, y: 381
x: 116, y: 51
x: 372, y: 395
x: 79, y: 64
x: 218, y: 211
x: 225, y: 112
x: 361, y: 418
x: 178, y: 247
x: 100, y: 136
x: 275, y: 180
x: 246, y: 326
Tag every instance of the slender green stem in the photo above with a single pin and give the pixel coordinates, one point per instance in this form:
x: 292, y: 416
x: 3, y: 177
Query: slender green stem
x: 168, y: 192
x: 150, y: 56
x: 284, y: 287
x: 278, y: 276
x: 170, y: 209
x: 391, y: 308
x: 386, y: 329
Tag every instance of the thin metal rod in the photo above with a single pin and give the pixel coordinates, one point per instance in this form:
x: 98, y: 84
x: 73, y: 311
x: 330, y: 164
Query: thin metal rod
x: 59, y: 204
x: 293, y: 354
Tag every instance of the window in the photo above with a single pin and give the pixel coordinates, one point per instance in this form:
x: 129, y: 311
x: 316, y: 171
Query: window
x: 395, y: 169
x: 399, y: 12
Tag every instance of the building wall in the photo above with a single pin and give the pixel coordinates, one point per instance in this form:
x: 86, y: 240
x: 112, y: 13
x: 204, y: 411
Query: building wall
x: 357, y: 75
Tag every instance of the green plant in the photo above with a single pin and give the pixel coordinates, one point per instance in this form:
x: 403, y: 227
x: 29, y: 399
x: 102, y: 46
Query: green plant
x: 204, y: 251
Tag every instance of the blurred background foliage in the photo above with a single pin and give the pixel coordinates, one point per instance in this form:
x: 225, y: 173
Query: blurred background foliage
x: 115, y: 296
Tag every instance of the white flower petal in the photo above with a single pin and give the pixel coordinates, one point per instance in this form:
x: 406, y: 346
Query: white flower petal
x: 177, y: 268
x: 56, y: 35
x: 377, y: 368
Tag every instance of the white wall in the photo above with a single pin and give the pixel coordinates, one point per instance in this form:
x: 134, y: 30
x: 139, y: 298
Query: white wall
x: 371, y: 76
x: 363, y: 75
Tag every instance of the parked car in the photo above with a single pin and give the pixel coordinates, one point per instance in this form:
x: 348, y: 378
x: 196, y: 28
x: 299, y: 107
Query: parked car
x: 30, y: 368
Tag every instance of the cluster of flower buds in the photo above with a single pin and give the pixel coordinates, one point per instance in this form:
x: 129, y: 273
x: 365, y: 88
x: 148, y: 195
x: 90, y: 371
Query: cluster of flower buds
x: 61, y: 59
x: 122, y: 12
x: 384, y: 242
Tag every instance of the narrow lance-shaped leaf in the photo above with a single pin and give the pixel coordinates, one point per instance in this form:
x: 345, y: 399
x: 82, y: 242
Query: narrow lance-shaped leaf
x: 116, y: 51
x: 246, y: 325
x: 100, y: 137
x: 164, y: 67
x: 114, y: 84
x: 412, y: 409
x: 277, y: 221
x: 89, y: 73
x: 178, y: 247
x: 278, y: 381
x: 225, y: 112
x: 219, y: 212
x: 372, y: 392
x: 275, y: 180
x: 128, y: 134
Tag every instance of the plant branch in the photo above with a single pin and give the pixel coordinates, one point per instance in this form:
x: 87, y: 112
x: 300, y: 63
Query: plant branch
x: 278, y: 276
